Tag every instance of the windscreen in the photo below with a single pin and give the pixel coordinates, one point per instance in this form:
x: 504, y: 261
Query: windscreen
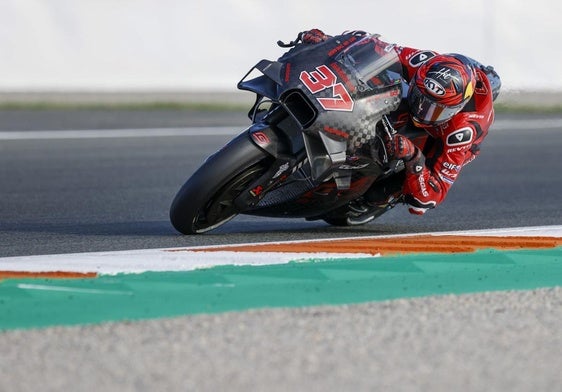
x: 375, y: 64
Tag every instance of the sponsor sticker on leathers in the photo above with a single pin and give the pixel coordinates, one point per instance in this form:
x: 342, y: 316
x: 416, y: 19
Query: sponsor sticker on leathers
x: 460, y: 137
x: 421, y: 57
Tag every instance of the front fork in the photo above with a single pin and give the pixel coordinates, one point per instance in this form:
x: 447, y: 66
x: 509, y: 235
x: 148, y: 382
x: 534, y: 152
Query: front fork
x: 284, y: 163
x: 281, y: 168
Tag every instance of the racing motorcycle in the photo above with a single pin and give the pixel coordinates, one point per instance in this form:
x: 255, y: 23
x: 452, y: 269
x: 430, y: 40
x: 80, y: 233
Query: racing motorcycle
x: 315, y: 144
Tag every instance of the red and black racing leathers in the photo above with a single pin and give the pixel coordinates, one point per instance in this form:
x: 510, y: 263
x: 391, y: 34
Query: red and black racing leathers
x: 448, y: 147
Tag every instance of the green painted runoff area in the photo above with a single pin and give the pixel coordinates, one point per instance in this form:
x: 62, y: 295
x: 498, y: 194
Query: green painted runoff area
x: 32, y: 303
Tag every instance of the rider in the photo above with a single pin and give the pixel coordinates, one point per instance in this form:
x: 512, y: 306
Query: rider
x: 450, y: 97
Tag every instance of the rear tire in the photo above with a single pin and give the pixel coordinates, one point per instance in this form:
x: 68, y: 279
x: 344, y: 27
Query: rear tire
x: 340, y: 221
x: 205, y: 201
x: 340, y: 217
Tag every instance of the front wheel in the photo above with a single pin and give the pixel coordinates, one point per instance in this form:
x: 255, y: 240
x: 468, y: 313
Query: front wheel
x: 206, y: 200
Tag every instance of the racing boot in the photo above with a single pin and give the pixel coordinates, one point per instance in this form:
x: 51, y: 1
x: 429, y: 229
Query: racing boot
x: 379, y: 198
x: 361, y: 211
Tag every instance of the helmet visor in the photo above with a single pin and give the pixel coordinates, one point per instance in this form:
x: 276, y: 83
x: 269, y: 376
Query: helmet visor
x: 428, y: 112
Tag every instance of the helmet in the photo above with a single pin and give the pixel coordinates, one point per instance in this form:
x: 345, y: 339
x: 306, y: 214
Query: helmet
x: 440, y: 89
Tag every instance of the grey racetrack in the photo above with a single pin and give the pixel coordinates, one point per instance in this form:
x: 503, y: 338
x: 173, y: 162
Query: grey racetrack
x: 83, y: 194
x: 74, y: 194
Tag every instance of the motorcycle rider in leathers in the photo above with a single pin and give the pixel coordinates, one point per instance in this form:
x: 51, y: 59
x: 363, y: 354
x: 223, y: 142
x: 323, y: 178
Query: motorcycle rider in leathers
x: 450, y: 97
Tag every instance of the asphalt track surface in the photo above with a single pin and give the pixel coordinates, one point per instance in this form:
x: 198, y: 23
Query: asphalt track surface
x: 74, y: 194
x: 68, y: 193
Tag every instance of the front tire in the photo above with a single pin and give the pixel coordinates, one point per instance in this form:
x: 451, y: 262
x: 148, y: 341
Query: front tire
x: 206, y: 200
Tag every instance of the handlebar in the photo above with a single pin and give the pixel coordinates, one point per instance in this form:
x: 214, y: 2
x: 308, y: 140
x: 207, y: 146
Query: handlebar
x: 291, y: 43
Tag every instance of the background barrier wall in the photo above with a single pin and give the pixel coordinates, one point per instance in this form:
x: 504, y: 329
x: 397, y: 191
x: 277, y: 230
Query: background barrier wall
x: 117, y: 45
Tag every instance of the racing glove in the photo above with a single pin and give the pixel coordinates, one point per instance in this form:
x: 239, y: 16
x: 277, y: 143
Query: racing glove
x: 314, y: 36
x: 400, y: 147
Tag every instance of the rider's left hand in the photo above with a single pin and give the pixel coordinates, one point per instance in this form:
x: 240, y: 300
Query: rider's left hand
x: 314, y: 36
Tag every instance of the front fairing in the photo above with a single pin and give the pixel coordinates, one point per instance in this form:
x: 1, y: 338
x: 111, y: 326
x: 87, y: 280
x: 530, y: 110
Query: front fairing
x: 363, y: 63
x: 337, y: 92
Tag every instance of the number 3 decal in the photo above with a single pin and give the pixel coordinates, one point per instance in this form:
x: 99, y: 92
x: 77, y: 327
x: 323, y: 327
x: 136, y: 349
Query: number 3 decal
x: 322, y: 79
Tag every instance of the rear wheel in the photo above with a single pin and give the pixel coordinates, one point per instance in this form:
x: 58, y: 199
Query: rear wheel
x: 206, y: 200
x: 353, y: 215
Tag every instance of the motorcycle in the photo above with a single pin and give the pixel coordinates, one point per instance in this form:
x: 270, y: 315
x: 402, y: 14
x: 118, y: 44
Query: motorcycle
x: 315, y: 143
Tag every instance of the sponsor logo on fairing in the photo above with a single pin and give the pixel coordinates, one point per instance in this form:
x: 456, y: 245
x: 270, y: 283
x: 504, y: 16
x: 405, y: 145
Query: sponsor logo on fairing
x: 353, y: 167
x: 260, y: 138
x: 341, y: 46
x: 283, y: 168
x: 389, y: 47
x: 336, y: 132
x: 256, y: 191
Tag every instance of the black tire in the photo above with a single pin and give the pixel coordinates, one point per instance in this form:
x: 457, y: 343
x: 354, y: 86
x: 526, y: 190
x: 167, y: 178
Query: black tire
x: 205, y: 201
x: 339, y: 217
x: 337, y: 221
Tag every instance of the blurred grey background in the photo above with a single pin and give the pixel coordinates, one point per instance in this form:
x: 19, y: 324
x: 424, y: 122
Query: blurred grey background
x: 181, y: 51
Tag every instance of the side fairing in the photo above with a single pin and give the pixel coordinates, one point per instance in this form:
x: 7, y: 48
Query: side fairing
x: 347, y: 107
